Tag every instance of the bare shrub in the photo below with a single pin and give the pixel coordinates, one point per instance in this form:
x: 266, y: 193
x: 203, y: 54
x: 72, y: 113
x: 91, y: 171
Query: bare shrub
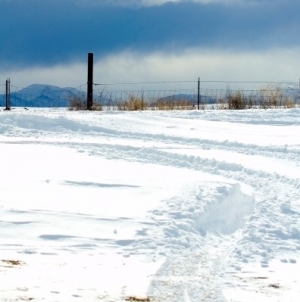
x: 236, y: 101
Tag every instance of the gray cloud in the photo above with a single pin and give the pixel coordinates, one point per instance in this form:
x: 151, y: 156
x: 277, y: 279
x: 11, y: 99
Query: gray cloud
x: 280, y: 64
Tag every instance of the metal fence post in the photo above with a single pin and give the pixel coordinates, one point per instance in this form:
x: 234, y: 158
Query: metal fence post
x: 90, y: 81
x: 7, y: 95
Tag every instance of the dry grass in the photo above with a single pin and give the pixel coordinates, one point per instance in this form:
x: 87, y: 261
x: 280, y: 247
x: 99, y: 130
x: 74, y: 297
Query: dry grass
x: 289, y: 103
x: 180, y: 104
x: 12, y: 262
x: 132, y: 104
x: 202, y: 106
x: 78, y: 103
x: 97, y: 106
x: 265, y: 98
x: 138, y: 299
x: 271, y: 97
x: 222, y: 104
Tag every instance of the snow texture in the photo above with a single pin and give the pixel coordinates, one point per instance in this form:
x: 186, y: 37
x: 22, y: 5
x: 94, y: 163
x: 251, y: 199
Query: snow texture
x: 181, y: 206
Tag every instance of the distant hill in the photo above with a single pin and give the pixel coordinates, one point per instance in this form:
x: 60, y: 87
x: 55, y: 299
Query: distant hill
x: 42, y: 95
x: 192, y: 98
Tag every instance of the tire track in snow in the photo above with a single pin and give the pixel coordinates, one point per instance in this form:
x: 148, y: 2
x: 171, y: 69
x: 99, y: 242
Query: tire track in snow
x: 202, y: 267
x: 76, y: 128
x: 268, y: 187
x: 192, y: 275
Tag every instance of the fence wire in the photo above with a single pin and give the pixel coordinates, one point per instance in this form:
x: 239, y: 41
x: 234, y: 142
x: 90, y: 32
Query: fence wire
x: 255, y: 93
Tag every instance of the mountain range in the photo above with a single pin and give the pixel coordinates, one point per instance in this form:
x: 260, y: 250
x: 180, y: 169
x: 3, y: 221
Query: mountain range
x: 42, y: 95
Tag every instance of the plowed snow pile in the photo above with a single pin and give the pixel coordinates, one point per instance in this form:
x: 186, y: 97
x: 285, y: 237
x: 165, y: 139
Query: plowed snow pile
x: 149, y: 206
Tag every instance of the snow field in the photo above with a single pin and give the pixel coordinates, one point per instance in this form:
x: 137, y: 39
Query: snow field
x: 177, y: 206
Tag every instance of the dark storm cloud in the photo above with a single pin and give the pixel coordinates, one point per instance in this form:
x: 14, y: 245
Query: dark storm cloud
x: 47, y: 32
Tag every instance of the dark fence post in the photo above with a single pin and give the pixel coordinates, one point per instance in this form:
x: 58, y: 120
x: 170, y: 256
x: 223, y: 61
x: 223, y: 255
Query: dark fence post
x: 7, y: 95
x: 90, y: 81
x: 198, y: 93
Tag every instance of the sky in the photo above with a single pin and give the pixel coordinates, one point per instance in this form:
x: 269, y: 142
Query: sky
x: 45, y: 41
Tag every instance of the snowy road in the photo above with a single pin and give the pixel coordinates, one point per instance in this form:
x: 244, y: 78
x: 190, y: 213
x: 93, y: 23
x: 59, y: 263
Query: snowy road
x: 177, y: 206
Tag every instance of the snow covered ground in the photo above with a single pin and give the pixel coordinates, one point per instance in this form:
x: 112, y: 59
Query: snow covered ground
x: 149, y: 206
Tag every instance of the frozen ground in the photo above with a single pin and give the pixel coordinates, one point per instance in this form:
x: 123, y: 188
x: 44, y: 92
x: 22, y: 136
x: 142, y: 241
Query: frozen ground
x: 159, y: 206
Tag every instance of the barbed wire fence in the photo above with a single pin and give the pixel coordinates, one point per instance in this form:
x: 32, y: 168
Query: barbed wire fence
x: 183, y: 94
x: 208, y: 94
